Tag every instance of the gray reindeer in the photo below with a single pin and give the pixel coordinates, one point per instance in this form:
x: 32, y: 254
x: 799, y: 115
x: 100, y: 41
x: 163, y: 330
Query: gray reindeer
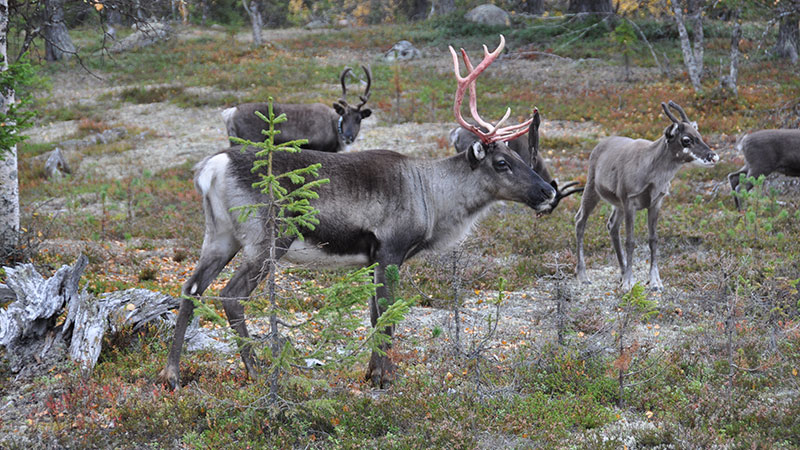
x: 379, y: 207
x: 634, y: 174
x: 767, y: 151
x: 327, y: 129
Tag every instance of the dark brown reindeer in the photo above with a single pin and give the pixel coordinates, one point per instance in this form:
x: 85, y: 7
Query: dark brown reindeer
x: 636, y: 174
x: 767, y: 151
x: 327, y: 129
x: 379, y: 207
x: 527, y: 147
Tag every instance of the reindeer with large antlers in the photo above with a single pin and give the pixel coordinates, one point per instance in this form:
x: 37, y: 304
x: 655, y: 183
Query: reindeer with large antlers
x: 379, y: 207
x: 327, y: 129
x: 636, y: 174
x: 527, y: 147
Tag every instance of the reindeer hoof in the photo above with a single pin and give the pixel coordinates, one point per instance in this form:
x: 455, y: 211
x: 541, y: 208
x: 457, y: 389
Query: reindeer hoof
x: 170, y: 378
x: 380, y: 372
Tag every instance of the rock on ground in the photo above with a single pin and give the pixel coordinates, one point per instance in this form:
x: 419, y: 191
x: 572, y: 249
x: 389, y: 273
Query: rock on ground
x: 488, y: 15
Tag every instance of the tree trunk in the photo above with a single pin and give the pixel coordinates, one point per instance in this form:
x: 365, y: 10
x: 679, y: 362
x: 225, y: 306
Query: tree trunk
x: 590, y: 7
x: 57, y: 43
x: 442, y: 7
x: 534, y: 7
x: 9, y: 184
x: 729, y: 82
x: 690, y: 56
x: 788, y: 44
x: 256, y: 20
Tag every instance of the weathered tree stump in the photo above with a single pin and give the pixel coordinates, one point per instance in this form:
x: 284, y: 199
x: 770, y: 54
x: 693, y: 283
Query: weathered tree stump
x: 32, y: 338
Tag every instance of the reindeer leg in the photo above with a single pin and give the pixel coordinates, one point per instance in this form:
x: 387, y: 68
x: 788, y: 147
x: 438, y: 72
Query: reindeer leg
x: 733, y: 179
x: 588, y: 203
x: 613, y: 224
x: 627, y: 272
x: 652, y: 221
x: 217, y: 252
x: 244, y: 281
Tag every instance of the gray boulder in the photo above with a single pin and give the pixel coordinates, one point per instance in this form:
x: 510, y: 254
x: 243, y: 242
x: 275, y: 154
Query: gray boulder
x: 488, y: 15
x: 402, y: 51
x: 146, y: 34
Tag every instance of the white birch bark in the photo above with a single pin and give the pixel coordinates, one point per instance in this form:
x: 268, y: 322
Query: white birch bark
x: 253, y: 9
x: 690, y: 55
x: 9, y: 184
x: 736, y: 36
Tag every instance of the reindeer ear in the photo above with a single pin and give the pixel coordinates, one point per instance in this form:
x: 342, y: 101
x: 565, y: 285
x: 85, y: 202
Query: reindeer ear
x: 339, y: 109
x: 366, y: 113
x: 671, y: 131
x: 475, y: 154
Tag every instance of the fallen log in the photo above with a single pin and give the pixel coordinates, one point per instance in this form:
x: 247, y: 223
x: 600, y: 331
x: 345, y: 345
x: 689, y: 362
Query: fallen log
x: 34, y: 339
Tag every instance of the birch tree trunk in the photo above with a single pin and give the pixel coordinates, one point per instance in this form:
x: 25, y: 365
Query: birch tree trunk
x: 788, y: 43
x: 253, y: 9
x: 9, y: 184
x: 692, y: 57
x: 736, y: 36
x: 57, y: 43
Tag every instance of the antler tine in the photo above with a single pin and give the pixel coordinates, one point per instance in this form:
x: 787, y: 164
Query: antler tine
x: 342, y: 78
x: 680, y: 110
x: 473, y: 92
x: 564, y: 192
x: 465, y: 82
x: 512, y: 132
x: 533, y: 136
x: 669, y: 113
x: 365, y: 97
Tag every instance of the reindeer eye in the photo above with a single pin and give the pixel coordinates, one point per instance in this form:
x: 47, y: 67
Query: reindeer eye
x: 501, y: 164
x: 686, y: 141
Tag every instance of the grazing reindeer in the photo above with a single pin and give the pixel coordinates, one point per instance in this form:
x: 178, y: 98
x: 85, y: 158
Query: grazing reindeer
x: 767, y: 151
x: 327, y: 129
x: 380, y: 206
x: 635, y: 174
x: 528, y: 150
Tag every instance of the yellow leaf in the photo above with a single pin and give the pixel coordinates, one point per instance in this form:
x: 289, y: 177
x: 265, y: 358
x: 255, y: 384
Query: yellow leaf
x: 130, y: 307
x: 794, y: 372
x: 98, y: 6
x: 649, y: 414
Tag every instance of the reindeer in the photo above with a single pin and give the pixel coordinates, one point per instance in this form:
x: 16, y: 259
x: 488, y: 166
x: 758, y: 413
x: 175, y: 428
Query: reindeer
x: 635, y: 174
x: 767, y: 151
x: 327, y: 129
x: 528, y: 149
x: 379, y: 207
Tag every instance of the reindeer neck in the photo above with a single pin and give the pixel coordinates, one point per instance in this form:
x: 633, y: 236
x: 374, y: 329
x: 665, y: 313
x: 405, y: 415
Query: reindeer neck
x: 662, y: 158
x: 454, y: 198
x: 660, y: 163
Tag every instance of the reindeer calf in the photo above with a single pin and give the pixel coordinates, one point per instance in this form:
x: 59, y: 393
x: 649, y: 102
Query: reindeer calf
x: 767, y: 151
x: 635, y: 174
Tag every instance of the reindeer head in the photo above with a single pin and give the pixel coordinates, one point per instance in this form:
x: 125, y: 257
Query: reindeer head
x: 350, y: 116
x: 685, y: 141
x: 506, y: 175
